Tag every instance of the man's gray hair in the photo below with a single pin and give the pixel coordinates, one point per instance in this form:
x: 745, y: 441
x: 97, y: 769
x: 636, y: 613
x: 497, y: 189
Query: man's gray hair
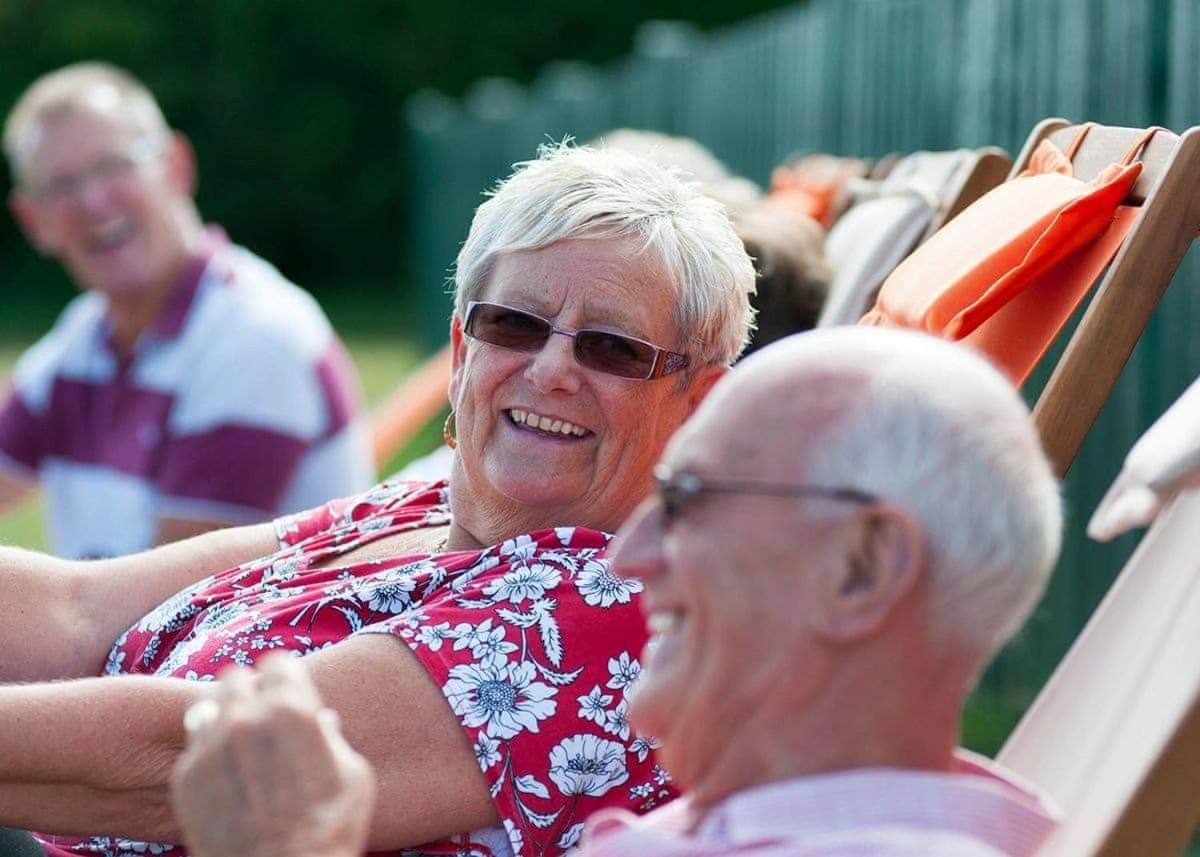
x: 73, y: 86
x: 938, y: 431
x: 579, y: 192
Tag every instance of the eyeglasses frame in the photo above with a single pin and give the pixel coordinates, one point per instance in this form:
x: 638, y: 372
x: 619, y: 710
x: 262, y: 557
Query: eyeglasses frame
x: 139, y: 151
x: 670, y: 486
x: 665, y: 362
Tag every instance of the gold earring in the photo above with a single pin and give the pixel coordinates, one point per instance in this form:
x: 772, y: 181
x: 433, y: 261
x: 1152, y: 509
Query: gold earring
x: 448, y: 428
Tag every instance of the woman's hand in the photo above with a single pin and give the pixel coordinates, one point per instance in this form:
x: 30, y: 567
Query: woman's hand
x: 267, y: 772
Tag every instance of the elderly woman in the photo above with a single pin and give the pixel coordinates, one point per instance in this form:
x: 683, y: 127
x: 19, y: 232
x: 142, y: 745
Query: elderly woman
x: 469, y: 635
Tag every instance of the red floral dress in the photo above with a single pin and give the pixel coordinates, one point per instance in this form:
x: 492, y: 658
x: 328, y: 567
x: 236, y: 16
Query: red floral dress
x: 534, y: 643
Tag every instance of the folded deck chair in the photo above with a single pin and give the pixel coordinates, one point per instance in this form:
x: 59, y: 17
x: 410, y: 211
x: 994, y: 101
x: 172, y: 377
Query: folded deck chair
x: 1115, y: 735
x: 409, y: 408
x: 1009, y: 285
x: 888, y: 217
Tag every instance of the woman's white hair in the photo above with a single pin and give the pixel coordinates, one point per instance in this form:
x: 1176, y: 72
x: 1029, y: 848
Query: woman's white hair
x: 578, y: 192
x: 938, y: 431
x: 80, y: 84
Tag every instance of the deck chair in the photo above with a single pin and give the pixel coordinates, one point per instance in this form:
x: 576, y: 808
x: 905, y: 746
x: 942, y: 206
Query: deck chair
x: 814, y: 185
x: 1149, y: 235
x: 416, y: 401
x: 1114, y: 737
x: 888, y: 217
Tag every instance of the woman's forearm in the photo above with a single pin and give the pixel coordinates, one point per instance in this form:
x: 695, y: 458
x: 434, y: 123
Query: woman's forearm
x: 59, y: 618
x: 40, y: 631
x: 92, y: 755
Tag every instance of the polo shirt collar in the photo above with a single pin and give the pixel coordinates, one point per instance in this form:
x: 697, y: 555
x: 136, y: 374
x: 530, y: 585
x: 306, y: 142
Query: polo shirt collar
x: 170, y: 319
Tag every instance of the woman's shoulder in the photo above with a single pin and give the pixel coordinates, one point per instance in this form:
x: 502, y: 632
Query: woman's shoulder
x: 400, y: 501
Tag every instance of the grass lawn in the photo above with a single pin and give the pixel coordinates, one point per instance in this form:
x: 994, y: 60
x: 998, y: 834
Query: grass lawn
x: 382, y: 361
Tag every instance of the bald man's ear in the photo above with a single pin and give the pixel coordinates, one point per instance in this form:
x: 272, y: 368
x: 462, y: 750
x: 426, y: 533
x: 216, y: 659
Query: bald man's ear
x: 703, y: 383
x: 883, y: 558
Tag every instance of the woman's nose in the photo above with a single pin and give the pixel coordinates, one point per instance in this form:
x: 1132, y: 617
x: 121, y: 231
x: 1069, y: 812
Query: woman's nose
x: 553, y: 368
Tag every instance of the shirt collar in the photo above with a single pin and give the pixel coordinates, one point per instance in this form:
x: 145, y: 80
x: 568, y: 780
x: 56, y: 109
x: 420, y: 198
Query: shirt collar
x: 173, y: 314
x: 978, y: 798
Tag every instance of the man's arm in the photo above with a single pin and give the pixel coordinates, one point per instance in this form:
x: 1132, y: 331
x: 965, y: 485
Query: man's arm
x: 58, y: 618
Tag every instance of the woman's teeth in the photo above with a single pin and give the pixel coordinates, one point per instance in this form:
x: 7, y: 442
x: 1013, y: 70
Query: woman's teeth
x: 530, y: 420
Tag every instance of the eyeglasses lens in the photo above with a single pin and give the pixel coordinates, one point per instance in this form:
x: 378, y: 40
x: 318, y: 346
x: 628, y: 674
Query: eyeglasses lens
x: 596, y: 349
x: 507, y: 328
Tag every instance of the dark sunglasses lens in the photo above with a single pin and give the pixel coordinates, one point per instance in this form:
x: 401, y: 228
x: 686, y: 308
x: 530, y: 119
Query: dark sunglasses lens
x: 614, y: 354
x: 508, y: 328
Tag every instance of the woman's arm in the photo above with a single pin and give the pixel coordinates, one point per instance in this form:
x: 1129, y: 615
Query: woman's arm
x: 59, y: 618
x: 94, y: 756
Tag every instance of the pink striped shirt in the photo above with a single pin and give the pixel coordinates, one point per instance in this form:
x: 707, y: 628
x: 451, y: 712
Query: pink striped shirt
x: 978, y: 810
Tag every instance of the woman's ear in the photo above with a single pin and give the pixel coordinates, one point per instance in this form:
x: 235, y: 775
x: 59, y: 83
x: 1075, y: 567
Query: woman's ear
x: 458, y: 354
x: 882, y: 560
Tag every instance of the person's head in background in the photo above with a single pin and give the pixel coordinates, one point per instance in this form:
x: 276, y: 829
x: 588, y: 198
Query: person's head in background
x: 793, y: 277
x: 694, y: 162
x: 785, y: 246
x: 103, y: 185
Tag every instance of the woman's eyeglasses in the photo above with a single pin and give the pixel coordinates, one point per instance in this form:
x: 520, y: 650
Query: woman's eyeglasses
x: 602, y: 350
x: 678, y: 489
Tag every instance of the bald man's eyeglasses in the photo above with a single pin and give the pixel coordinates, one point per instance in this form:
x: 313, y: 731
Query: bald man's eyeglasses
x: 676, y: 490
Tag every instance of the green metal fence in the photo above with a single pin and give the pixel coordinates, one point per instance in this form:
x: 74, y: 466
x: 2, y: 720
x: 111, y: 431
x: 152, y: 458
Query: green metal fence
x: 867, y: 77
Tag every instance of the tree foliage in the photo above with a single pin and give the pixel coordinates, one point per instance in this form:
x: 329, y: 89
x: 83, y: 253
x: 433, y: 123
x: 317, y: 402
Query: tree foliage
x: 295, y: 106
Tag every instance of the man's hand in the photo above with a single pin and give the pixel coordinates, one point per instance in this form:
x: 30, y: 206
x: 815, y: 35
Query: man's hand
x: 266, y: 772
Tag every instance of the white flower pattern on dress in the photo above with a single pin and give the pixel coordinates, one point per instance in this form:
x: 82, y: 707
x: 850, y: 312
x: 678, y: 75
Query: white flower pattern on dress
x: 624, y: 670
x: 487, y: 644
x: 524, y: 583
x: 587, y: 765
x: 601, y: 587
x: 591, y: 706
x: 504, y: 699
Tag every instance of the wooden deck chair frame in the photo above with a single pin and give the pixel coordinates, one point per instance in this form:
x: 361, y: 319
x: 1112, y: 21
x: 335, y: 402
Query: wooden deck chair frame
x: 1133, y: 284
x: 420, y: 397
x: 1114, y: 737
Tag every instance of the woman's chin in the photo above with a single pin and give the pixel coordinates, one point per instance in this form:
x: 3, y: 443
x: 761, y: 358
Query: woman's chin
x: 537, y: 493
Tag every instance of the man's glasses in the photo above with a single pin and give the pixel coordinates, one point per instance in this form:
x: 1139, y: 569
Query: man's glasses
x: 678, y: 489
x: 602, y: 350
x: 105, y: 171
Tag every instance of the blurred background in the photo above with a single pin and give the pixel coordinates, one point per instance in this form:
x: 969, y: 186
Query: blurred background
x: 349, y: 143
